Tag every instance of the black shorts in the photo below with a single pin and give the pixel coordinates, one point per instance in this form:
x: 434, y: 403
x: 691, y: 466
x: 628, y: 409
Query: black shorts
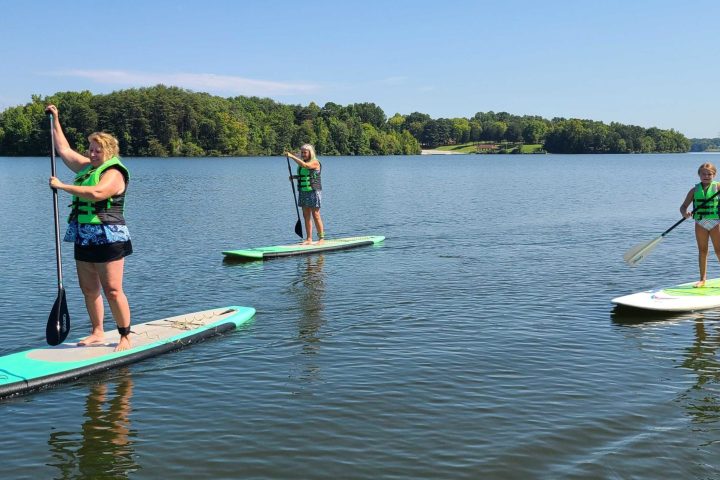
x: 103, y: 253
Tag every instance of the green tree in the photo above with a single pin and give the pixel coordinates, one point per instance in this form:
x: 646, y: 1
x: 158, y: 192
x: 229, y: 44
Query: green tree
x: 396, y: 123
x: 339, y: 136
x: 306, y: 134
x: 534, y: 131
x: 493, y: 130
x: 475, y: 130
x: 460, y: 130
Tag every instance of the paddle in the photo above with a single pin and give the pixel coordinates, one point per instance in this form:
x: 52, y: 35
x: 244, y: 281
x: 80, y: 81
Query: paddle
x: 58, y: 324
x: 638, y: 253
x: 298, y: 225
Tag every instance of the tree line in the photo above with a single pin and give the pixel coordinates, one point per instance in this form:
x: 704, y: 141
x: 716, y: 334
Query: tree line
x: 170, y: 121
x: 705, y: 144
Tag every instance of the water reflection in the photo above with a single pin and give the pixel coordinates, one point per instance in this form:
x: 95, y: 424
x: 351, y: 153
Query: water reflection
x: 103, y: 448
x: 703, y: 399
x: 310, y: 290
x: 248, y: 263
x: 622, y: 315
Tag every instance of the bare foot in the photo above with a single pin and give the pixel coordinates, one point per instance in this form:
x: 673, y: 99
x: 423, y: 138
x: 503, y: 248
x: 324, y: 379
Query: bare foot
x: 306, y: 242
x: 699, y: 284
x: 94, y: 339
x: 322, y: 240
x: 123, y: 344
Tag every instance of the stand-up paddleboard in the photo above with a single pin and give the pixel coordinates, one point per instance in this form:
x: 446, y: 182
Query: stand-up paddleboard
x: 680, y: 298
x: 41, y: 367
x: 298, y: 249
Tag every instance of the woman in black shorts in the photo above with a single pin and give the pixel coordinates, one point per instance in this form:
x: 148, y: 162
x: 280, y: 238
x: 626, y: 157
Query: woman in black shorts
x: 97, y: 227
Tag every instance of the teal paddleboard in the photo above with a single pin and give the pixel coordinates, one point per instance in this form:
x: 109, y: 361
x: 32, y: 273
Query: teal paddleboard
x: 38, y: 368
x: 299, y: 249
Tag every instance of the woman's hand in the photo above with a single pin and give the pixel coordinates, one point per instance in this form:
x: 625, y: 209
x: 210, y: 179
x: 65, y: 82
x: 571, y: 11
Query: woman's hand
x: 55, y: 183
x: 52, y: 109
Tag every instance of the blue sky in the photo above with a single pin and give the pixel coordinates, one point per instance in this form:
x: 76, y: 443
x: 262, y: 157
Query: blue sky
x: 641, y: 62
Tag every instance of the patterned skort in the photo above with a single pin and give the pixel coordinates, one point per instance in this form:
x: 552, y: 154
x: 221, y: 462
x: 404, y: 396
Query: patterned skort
x: 99, y: 243
x: 310, y: 199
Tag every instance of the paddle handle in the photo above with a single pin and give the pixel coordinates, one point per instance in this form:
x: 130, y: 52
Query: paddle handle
x: 58, y: 254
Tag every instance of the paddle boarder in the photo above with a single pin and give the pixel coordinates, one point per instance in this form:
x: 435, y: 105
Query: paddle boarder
x: 310, y: 191
x: 705, y: 200
x: 97, y: 227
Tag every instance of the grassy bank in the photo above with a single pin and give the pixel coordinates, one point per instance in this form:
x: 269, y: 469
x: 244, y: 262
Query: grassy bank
x: 492, y: 147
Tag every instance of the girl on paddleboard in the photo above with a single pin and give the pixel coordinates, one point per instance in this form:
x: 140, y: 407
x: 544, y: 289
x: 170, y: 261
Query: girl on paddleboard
x: 705, y: 200
x: 310, y: 190
x: 97, y: 227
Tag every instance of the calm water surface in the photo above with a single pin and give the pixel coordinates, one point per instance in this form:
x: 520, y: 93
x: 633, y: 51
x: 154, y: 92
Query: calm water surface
x: 478, y: 341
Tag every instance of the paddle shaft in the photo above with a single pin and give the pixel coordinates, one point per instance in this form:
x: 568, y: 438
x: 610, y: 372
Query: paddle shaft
x: 58, y: 324
x: 297, y: 210
x: 705, y: 202
x: 58, y: 255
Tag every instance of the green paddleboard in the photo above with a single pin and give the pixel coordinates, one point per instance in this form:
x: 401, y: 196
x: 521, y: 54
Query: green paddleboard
x: 261, y: 253
x: 38, y: 368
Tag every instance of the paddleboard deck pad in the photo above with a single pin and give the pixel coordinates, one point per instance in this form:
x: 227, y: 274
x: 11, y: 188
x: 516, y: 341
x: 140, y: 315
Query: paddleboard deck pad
x: 679, y: 298
x: 38, y: 368
x: 261, y: 253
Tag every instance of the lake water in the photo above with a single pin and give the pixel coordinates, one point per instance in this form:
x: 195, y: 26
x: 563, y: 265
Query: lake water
x: 478, y: 341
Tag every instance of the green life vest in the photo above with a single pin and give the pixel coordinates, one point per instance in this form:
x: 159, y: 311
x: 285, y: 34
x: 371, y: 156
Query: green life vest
x: 710, y: 209
x: 108, y: 211
x: 309, y: 180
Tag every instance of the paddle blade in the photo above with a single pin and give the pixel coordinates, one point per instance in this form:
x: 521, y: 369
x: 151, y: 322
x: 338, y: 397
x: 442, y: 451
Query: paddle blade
x: 638, y: 253
x: 298, y: 229
x: 58, y: 325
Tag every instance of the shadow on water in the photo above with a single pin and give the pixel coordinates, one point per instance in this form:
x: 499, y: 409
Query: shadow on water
x: 628, y: 316
x: 310, y: 290
x: 103, y: 448
x: 250, y: 263
x: 237, y: 260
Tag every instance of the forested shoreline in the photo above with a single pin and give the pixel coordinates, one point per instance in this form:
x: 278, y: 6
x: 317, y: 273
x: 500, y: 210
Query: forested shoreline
x: 705, y: 145
x: 165, y: 121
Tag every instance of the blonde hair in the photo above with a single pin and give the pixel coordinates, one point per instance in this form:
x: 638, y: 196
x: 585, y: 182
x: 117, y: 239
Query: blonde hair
x: 109, y: 144
x: 310, y: 149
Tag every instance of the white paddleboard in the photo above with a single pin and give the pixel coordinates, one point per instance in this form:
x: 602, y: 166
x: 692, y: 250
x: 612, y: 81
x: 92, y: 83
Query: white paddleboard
x: 679, y: 298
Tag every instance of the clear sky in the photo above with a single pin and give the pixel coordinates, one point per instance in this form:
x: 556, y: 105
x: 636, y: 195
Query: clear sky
x: 653, y: 63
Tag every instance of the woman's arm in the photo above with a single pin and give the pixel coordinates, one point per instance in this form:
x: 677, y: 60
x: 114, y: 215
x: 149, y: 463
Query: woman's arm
x: 111, y: 183
x: 72, y: 159
x: 311, y: 165
x: 688, y: 200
